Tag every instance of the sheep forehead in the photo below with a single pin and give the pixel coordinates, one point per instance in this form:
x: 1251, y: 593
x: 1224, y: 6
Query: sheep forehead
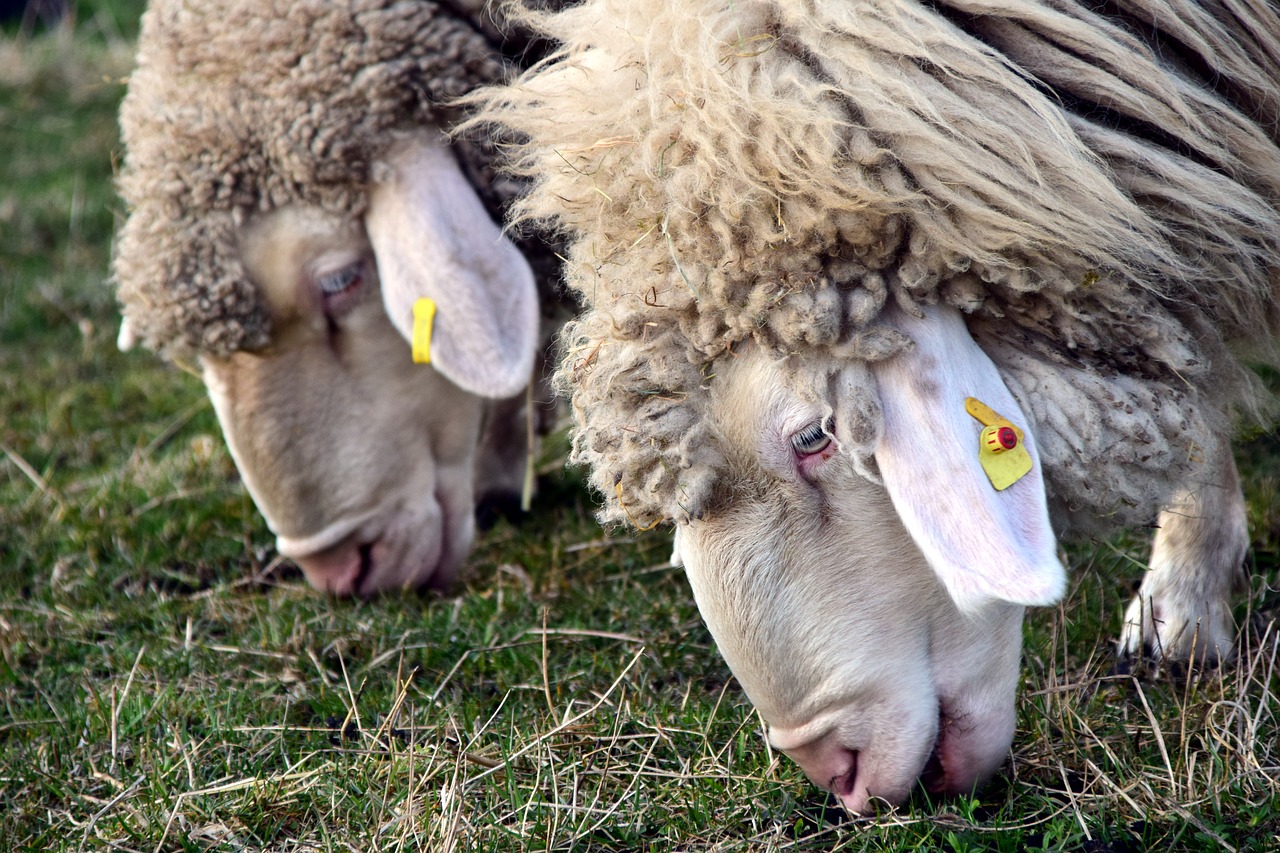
x: 742, y: 394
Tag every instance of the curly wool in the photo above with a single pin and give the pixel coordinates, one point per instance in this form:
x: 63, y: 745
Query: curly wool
x: 239, y: 107
x: 1096, y: 187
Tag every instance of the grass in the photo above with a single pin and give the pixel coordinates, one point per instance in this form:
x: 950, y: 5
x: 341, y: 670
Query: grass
x: 169, y: 684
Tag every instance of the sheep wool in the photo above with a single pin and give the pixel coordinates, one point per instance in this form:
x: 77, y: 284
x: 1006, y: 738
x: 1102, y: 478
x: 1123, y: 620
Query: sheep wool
x: 238, y: 107
x: 1095, y: 185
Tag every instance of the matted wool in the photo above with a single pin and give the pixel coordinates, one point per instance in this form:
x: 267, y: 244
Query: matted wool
x: 1096, y: 187
x: 241, y: 107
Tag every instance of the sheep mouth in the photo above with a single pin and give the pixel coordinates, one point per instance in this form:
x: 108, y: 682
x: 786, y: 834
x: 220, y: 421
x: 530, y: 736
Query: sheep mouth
x: 365, y: 551
x: 933, y: 778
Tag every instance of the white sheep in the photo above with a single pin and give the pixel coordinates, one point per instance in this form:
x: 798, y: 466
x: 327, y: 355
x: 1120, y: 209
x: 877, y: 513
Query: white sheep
x: 838, y: 257
x: 291, y: 197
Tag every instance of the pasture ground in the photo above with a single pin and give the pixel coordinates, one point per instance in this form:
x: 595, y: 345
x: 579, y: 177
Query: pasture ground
x: 168, y: 684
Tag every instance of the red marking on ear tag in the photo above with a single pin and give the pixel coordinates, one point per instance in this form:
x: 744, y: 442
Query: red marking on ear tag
x: 1000, y: 439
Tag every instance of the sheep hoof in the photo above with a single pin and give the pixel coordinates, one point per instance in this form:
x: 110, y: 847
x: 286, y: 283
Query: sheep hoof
x: 1183, y: 610
x: 1173, y: 628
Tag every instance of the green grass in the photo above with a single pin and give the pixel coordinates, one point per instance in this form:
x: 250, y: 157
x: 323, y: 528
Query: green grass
x: 169, y: 684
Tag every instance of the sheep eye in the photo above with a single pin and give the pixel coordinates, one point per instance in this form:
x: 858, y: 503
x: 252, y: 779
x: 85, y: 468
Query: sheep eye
x: 340, y: 280
x: 810, y: 440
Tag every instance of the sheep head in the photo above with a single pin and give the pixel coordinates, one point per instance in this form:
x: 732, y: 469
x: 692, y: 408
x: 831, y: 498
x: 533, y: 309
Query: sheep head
x: 361, y: 460
x: 860, y: 573
x: 290, y: 198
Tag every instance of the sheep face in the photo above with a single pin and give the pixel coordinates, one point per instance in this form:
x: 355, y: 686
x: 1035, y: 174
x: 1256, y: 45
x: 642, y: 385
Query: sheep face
x: 362, y: 460
x: 359, y: 459
x: 859, y: 629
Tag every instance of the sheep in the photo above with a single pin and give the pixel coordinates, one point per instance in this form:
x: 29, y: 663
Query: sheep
x: 291, y: 196
x: 827, y: 251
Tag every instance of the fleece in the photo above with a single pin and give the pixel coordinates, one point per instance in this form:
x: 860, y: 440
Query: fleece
x: 244, y: 106
x: 1096, y: 186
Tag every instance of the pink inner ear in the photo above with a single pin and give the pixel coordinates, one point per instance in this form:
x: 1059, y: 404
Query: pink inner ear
x: 984, y: 544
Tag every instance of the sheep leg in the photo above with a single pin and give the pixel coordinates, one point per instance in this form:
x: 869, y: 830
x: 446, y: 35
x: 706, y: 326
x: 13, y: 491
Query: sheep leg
x: 1183, y: 609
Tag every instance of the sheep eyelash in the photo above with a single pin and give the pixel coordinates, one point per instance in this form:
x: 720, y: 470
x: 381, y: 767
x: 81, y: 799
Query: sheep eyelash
x: 340, y: 281
x: 811, y: 440
x: 341, y: 287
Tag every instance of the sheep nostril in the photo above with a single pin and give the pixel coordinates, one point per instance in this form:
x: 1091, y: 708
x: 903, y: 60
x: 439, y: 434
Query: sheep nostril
x: 827, y: 762
x: 843, y: 784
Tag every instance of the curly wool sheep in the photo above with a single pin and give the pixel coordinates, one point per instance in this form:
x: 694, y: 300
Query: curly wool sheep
x: 805, y: 232
x: 779, y: 172
x: 238, y: 108
x: 286, y: 163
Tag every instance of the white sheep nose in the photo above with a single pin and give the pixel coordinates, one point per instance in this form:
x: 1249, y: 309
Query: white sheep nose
x: 338, y: 569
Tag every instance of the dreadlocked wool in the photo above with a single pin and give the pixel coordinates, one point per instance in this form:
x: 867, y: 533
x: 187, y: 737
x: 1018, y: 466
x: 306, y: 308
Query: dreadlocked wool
x: 1094, y: 185
x: 240, y: 107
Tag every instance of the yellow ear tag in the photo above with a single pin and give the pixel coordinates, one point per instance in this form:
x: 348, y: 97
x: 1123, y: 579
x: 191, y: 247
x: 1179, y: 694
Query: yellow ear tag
x: 424, y: 315
x: 1001, y: 451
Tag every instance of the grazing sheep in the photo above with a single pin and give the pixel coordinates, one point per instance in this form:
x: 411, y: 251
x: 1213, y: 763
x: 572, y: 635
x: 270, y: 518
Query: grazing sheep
x: 291, y: 196
x: 807, y: 232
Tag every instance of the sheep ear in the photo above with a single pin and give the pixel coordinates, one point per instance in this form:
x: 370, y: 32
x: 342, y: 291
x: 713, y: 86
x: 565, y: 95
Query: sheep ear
x: 983, y: 543
x: 434, y: 240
